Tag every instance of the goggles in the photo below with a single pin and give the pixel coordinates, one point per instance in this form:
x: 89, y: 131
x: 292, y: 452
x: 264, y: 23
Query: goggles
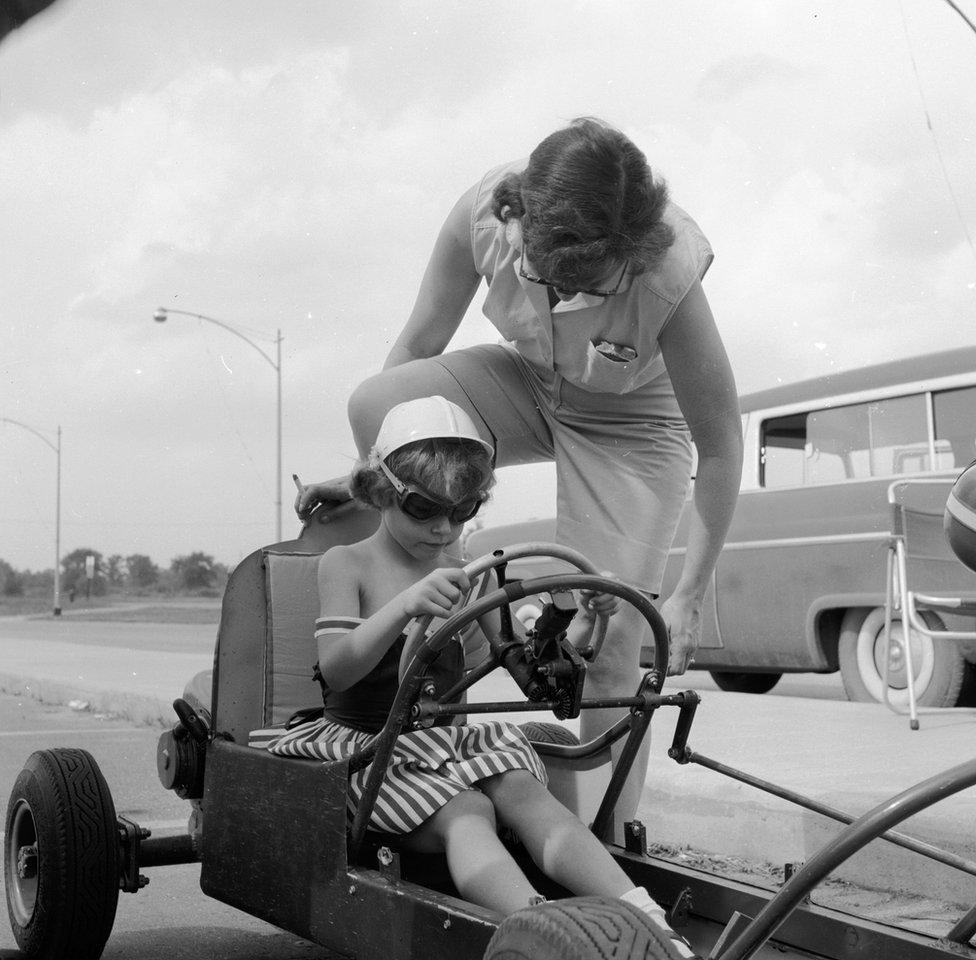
x: 532, y: 278
x: 420, y: 505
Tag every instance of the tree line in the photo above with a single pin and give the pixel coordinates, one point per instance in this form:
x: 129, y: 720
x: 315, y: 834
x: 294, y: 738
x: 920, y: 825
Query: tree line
x: 194, y: 573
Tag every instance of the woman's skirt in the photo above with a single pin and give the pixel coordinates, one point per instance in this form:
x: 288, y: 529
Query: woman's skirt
x: 427, y: 769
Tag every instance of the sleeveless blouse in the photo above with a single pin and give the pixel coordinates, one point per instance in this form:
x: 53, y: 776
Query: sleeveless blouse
x: 563, y: 339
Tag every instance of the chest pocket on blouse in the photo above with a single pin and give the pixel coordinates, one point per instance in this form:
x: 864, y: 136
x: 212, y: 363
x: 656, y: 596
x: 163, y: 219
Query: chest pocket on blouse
x: 603, y: 375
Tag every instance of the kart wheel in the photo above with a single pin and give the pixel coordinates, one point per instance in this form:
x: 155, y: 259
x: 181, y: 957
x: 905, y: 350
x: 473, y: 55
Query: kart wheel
x: 939, y: 666
x: 61, y: 857
x: 538, y: 731
x: 583, y: 928
x: 745, y: 682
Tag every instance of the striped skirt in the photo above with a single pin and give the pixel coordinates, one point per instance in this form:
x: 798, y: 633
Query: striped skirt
x: 427, y: 769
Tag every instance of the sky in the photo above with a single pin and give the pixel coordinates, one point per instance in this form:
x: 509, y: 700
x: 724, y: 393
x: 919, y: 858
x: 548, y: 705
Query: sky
x: 286, y: 167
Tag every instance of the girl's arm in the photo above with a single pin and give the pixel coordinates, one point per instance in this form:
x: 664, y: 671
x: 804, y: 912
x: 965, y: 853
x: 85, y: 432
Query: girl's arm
x: 346, y: 658
x: 705, y: 389
x: 446, y: 290
x: 590, y: 604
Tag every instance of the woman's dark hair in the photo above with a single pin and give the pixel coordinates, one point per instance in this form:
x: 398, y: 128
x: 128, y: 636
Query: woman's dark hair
x: 451, y: 469
x: 586, y: 200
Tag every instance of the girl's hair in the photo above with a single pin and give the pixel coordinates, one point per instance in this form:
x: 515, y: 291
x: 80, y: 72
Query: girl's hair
x: 586, y: 200
x: 451, y: 469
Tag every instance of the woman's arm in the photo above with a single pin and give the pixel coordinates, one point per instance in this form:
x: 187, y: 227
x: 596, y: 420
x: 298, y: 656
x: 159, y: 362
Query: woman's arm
x: 449, y: 284
x: 346, y: 658
x: 446, y: 290
x: 705, y: 388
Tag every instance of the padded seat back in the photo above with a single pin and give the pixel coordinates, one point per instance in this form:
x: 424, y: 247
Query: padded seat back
x: 265, y: 643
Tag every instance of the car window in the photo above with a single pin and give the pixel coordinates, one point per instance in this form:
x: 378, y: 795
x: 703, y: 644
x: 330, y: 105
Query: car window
x: 955, y: 427
x: 856, y: 441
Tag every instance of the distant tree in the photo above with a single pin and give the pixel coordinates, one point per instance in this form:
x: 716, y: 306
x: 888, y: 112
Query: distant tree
x: 40, y: 582
x: 142, y: 572
x: 73, y: 565
x: 115, y: 571
x: 11, y: 582
x: 197, y: 571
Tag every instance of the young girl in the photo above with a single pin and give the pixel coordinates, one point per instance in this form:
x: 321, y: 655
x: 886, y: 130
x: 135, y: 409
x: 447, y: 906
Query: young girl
x: 448, y: 787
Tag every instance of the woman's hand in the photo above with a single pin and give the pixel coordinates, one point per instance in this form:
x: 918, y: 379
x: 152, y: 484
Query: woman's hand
x: 330, y: 493
x: 436, y: 594
x: 683, y: 620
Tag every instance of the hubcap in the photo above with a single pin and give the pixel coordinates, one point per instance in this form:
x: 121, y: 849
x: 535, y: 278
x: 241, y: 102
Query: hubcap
x: 897, y: 674
x: 22, y: 864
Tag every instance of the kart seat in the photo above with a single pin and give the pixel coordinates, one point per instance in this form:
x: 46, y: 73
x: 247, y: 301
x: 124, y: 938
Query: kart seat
x: 265, y: 642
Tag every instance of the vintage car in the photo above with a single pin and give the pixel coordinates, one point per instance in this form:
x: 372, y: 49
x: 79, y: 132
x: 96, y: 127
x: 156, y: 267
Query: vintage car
x: 275, y: 839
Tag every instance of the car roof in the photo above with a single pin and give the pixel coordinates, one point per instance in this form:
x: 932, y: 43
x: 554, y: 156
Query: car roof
x: 907, y: 370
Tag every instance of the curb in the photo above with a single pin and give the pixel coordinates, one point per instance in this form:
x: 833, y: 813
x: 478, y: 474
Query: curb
x: 144, y: 711
x: 746, y: 824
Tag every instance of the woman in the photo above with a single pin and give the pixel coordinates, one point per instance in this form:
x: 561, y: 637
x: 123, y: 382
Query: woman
x: 611, y: 365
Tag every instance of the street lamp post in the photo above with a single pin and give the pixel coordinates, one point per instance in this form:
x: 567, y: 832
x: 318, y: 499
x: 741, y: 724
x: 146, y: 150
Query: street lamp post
x: 57, y: 507
x: 161, y: 315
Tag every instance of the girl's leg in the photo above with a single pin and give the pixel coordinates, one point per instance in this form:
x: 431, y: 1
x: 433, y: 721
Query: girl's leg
x: 480, y: 866
x: 558, y: 841
x: 565, y: 850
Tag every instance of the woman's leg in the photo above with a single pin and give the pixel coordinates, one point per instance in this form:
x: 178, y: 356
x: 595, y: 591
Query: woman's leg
x: 485, y: 381
x: 616, y: 673
x: 480, y: 866
x: 559, y: 843
x: 621, y: 486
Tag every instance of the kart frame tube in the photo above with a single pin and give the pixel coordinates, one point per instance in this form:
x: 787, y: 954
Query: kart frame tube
x: 849, y: 841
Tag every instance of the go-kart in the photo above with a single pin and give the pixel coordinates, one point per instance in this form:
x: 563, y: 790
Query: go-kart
x: 276, y: 840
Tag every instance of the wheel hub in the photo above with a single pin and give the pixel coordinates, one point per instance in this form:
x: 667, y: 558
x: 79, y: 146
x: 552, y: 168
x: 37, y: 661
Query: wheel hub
x: 897, y: 671
x: 22, y: 863
x: 27, y: 862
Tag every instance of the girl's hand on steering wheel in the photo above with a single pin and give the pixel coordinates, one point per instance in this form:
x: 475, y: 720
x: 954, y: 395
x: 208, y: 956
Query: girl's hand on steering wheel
x: 593, y: 604
x: 436, y: 594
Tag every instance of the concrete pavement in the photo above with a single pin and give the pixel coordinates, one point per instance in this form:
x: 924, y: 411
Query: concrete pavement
x: 849, y: 756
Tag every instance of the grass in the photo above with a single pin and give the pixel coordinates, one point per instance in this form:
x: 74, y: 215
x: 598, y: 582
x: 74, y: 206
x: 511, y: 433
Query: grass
x: 151, y: 609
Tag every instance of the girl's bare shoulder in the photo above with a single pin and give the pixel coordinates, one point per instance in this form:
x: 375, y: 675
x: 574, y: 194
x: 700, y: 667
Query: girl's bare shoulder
x: 347, y: 559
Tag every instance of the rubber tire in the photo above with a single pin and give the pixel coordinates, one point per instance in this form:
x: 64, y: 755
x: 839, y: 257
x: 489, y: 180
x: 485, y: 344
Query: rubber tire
x: 582, y: 928
x: 62, y: 798
x: 941, y: 684
x: 733, y: 682
x: 538, y: 731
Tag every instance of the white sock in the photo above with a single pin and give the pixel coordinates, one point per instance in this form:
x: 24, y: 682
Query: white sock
x: 640, y: 898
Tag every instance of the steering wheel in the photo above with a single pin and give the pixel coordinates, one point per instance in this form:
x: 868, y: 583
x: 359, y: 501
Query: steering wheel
x: 490, y: 561
x: 420, y: 650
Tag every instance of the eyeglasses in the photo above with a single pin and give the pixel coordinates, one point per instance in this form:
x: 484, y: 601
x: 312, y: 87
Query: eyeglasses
x: 549, y: 283
x: 420, y: 505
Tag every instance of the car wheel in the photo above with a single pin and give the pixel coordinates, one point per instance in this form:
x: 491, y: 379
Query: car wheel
x: 745, y: 682
x: 538, y: 731
x: 582, y: 928
x: 939, y: 666
x: 61, y: 857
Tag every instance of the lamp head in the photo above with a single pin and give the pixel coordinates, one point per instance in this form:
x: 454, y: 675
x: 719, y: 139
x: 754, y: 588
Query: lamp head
x: 160, y: 315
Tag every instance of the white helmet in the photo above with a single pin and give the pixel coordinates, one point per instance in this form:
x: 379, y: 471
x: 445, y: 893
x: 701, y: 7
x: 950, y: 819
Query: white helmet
x: 426, y: 418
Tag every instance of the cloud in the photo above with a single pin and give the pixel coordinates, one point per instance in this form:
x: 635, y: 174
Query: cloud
x: 737, y: 76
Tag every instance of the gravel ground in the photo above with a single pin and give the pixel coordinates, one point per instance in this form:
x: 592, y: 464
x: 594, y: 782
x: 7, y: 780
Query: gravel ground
x: 907, y: 910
